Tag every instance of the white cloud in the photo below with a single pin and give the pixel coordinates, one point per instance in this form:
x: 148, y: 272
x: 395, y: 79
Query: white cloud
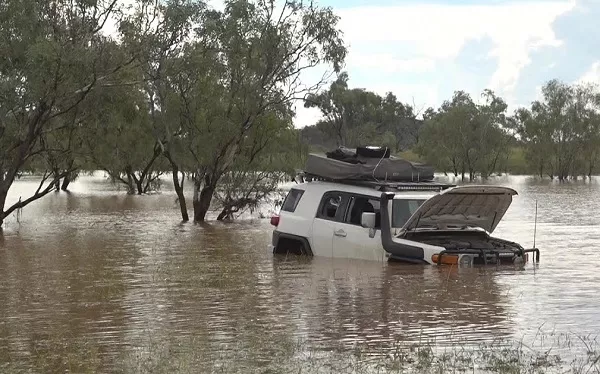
x: 419, y: 95
x: 438, y: 32
x: 306, y: 116
x: 592, y: 75
x: 389, y: 64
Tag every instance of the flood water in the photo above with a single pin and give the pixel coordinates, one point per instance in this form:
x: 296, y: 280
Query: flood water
x: 98, y: 281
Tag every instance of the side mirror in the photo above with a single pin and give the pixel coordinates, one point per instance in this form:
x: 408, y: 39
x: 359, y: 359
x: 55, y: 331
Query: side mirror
x: 368, y: 220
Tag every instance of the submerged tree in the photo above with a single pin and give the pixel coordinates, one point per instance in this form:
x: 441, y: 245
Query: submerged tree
x: 561, y: 133
x: 119, y: 139
x: 464, y: 136
x: 250, y: 58
x: 158, y: 37
x: 269, y: 157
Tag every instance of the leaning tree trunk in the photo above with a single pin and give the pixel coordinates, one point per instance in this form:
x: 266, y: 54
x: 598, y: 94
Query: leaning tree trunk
x: 178, y: 186
x: 224, y: 214
x: 65, y: 183
x: 202, y: 205
x: 179, y: 191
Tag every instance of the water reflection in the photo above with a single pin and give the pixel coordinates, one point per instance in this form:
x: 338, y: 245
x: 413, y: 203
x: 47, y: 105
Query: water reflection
x: 101, y: 281
x: 364, y: 302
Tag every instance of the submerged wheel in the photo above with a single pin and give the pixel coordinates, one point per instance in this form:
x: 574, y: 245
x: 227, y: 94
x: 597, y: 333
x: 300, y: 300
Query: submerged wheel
x: 292, y: 246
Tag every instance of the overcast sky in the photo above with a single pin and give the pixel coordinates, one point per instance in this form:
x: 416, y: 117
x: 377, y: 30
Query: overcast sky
x: 423, y: 50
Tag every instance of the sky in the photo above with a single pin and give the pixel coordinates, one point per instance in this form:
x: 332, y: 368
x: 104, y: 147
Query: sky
x: 424, y: 50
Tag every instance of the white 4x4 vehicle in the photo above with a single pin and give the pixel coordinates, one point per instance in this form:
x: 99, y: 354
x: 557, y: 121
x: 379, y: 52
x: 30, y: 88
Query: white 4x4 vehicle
x: 425, y: 223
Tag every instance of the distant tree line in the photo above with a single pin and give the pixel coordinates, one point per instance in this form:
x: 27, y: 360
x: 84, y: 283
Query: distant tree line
x: 558, y: 136
x: 354, y: 116
x: 144, y: 87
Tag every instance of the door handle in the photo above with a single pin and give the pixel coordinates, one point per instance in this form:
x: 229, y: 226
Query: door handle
x: 341, y: 233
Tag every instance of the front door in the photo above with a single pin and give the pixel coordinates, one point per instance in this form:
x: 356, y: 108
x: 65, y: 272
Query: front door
x: 350, y: 239
x: 331, y: 210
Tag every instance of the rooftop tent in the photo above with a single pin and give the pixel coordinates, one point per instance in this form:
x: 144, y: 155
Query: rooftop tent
x: 366, y: 163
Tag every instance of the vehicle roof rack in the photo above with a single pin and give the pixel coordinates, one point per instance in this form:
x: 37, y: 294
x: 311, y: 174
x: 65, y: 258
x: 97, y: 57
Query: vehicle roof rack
x: 382, y: 185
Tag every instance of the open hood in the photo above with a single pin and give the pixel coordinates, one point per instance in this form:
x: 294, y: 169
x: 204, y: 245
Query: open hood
x: 474, y: 206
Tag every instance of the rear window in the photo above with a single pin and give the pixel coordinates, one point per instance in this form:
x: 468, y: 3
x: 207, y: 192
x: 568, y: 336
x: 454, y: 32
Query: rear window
x: 291, y: 200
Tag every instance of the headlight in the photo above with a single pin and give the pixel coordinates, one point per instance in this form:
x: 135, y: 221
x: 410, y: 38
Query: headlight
x: 465, y: 260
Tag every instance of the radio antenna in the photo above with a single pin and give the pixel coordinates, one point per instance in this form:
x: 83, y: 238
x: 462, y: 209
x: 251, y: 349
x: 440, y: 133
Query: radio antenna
x: 535, y: 223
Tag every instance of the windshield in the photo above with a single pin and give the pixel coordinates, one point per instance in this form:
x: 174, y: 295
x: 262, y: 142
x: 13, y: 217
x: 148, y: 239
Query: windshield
x: 403, y: 209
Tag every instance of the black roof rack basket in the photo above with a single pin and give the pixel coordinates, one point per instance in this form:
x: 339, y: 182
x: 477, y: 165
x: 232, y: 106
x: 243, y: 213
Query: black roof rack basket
x: 381, y: 185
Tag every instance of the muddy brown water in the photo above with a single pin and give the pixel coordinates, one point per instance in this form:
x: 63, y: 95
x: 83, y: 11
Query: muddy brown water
x: 95, y: 280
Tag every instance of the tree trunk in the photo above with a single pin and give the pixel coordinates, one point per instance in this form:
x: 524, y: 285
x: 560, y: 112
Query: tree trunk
x: 130, y: 184
x: 56, y: 182
x: 178, y: 186
x: 3, y: 195
x: 224, y: 213
x: 139, y: 186
x: 202, y: 201
x: 179, y: 191
x: 66, y: 182
x: 454, y: 167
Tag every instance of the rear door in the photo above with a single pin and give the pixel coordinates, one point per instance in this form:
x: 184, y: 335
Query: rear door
x: 353, y: 240
x: 331, y: 211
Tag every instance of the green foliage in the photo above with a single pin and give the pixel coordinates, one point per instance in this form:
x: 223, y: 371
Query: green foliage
x: 561, y: 134
x: 235, y: 83
x: 465, y: 137
x: 354, y: 117
x: 54, y: 54
x: 120, y: 140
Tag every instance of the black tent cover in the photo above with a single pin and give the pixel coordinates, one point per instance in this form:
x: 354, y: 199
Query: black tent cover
x: 366, y: 164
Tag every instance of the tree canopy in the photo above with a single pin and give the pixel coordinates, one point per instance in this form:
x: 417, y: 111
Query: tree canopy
x: 179, y: 87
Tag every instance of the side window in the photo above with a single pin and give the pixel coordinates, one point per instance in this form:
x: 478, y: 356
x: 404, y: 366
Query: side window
x: 402, y: 210
x: 331, y: 206
x: 291, y: 200
x: 362, y: 204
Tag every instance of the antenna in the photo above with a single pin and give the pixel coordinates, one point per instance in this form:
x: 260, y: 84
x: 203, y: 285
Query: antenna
x: 535, y: 223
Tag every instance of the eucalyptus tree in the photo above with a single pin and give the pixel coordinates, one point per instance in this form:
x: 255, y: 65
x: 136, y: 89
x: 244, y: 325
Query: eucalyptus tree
x: 247, y: 65
x: 157, y: 37
x: 119, y: 140
x: 269, y: 155
x: 532, y: 131
x: 355, y: 116
x: 54, y: 53
x: 561, y: 133
x: 400, y: 120
x: 465, y: 136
